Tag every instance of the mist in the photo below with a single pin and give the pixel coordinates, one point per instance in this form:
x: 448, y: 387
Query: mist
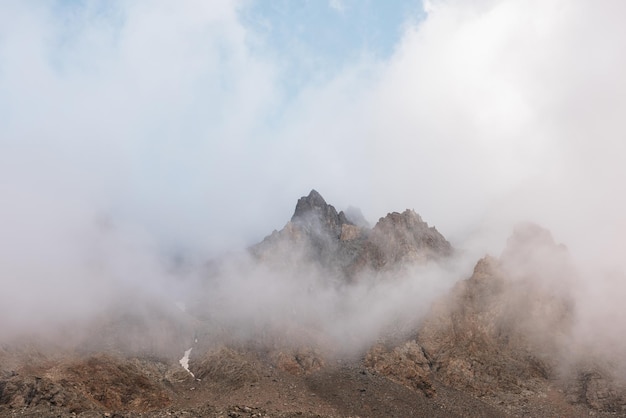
x: 139, y: 141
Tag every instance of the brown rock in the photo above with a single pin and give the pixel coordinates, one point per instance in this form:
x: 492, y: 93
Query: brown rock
x: 349, y: 232
x: 405, y: 364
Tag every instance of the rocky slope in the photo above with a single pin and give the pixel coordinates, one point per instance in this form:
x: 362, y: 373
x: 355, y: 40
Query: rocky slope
x: 498, y: 344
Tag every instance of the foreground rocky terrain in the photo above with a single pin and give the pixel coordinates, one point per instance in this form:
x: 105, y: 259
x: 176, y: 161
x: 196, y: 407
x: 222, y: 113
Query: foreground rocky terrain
x: 497, y: 343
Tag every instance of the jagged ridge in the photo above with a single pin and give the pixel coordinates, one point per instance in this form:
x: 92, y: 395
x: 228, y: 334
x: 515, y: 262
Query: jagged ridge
x: 319, y: 234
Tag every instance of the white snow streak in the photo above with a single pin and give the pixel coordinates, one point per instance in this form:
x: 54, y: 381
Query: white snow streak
x: 185, y: 361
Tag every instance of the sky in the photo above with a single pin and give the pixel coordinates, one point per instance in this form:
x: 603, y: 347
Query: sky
x: 195, y: 126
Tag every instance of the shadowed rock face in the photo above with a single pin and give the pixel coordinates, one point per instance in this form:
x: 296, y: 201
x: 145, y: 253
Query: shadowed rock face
x: 317, y: 217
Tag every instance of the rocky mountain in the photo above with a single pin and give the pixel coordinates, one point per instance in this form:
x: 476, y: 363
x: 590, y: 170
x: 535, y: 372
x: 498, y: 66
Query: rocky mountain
x: 318, y: 234
x: 502, y: 335
x: 498, y: 343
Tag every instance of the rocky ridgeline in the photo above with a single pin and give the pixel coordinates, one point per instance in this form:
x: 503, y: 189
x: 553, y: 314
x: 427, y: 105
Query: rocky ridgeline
x: 345, y: 246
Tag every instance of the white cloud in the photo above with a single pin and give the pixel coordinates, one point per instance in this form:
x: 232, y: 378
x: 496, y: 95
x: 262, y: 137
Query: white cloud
x: 160, y: 111
x: 337, y: 5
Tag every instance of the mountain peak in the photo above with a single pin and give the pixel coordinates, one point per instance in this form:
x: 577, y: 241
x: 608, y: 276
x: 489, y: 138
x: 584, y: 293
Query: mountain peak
x: 315, y: 215
x: 306, y: 204
x: 344, y: 242
x: 405, y: 236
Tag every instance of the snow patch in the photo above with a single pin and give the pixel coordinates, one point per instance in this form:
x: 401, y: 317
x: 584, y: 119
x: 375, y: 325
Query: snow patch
x: 185, y: 361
